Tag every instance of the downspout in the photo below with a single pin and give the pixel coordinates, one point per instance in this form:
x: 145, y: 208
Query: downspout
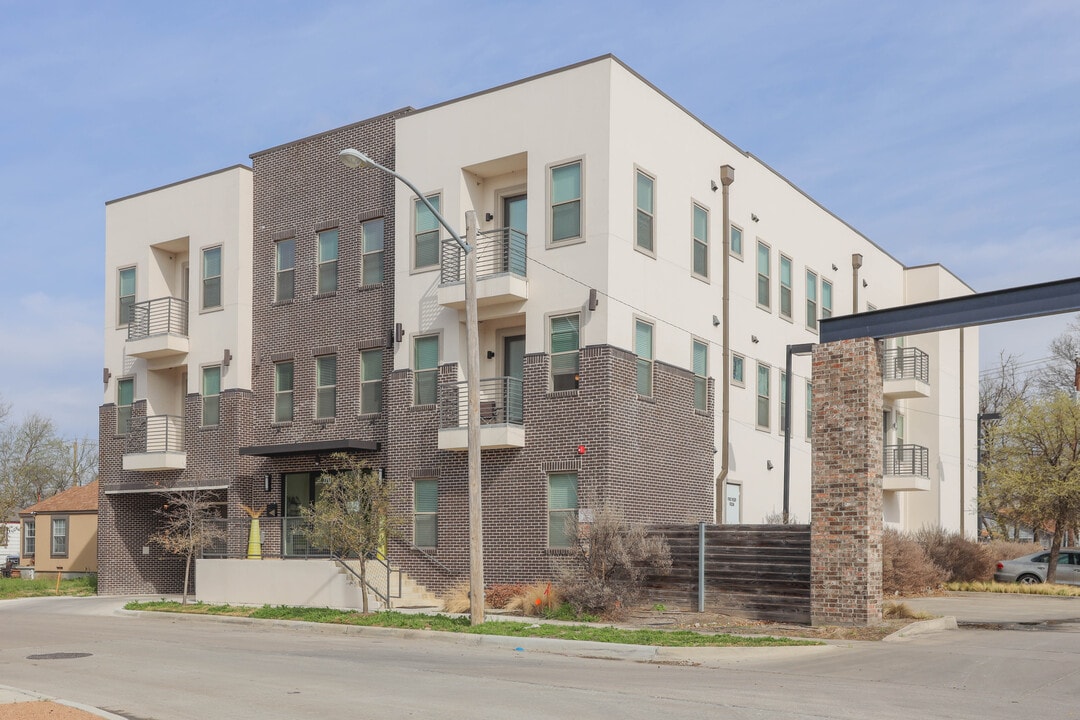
x: 856, y: 263
x: 727, y: 176
x: 963, y: 434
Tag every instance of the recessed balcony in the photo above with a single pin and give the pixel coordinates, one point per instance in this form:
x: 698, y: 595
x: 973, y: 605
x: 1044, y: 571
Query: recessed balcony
x: 906, y: 373
x: 502, y: 422
x: 158, y: 328
x: 501, y: 264
x: 905, y: 468
x: 156, y: 443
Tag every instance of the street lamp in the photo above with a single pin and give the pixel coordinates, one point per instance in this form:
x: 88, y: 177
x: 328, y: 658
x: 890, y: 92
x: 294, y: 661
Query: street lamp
x: 355, y: 159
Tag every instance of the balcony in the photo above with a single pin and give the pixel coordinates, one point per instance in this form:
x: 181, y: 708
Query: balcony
x: 501, y: 264
x: 156, y: 443
x: 502, y: 422
x: 905, y: 468
x: 906, y: 373
x: 158, y: 328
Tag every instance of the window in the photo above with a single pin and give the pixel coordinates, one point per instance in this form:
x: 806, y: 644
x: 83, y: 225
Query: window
x: 29, y: 538
x: 565, y: 343
x: 126, y: 292
x: 736, y: 241
x: 372, y: 239
x: 566, y: 202
x: 426, y: 233
x: 328, y: 256
x: 211, y: 278
x: 643, y: 348
x: 426, y: 369
x: 783, y: 402
x: 763, y: 394
x: 371, y: 381
x: 426, y: 513
x: 562, y: 509
x: 326, y: 386
x: 125, y: 396
x: 811, y: 300
x: 59, y: 537
x: 738, y: 369
x: 283, y: 392
x: 644, y: 197
x: 826, y: 299
x: 700, y: 241
x: 809, y: 409
x: 701, y: 372
x: 785, y: 287
x: 764, y: 261
x: 285, y: 269
x: 211, y: 395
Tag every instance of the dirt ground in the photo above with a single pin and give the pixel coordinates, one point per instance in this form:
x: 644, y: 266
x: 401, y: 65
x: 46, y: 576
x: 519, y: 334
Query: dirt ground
x: 43, y: 710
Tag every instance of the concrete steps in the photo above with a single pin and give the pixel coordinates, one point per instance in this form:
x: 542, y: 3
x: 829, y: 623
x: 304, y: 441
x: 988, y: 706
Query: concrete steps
x: 413, y: 595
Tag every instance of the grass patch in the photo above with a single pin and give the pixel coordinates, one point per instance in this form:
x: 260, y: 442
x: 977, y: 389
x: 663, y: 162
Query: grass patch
x: 443, y: 623
x: 43, y: 587
x: 1015, y: 588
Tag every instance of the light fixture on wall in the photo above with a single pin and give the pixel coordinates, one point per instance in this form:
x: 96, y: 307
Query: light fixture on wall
x: 768, y: 465
x: 715, y: 321
x: 714, y: 186
x: 834, y: 267
x: 594, y: 299
x: 227, y: 358
x: 753, y: 339
x: 399, y: 333
x: 864, y: 283
x: 490, y: 354
x: 754, y: 217
x: 266, y: 483
x: 488, y: 217
x: 105, y: 375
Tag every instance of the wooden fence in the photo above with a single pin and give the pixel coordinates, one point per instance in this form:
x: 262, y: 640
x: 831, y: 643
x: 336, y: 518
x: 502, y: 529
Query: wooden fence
x: 755, y: 571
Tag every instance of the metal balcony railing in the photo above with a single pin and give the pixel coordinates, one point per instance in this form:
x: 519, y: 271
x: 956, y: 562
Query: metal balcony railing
x: 497, y: 251
x: 162, y: 316
x: 906, y: 363
x: 908, y: 460
x: 158, y: 434
x: 500, y: 403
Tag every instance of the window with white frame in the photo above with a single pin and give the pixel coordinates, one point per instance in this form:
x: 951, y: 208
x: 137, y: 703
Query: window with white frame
x: 284, y: 269
x: 764, y: 278
x: 764, y: 395
x: 326, y: 386
x: 701, y: 375
x: 29, y: 537
x: 785, y: 287
x: 783, y: 402
x: 371, y: 362
x: 372, y: 240
x: 328, y: 262
x: 736, y: 241
x: 426, y: 513
x: 426, y: 233
x: 565, y: 195
x: 426, y: 369
x: 211, y: 395
x: 125, y: 295
x: 811, y: 300
x: 125, y: 398
x: 700, y: 241
x: 211, y: 278
x: 59, y: 547
x: 826, y: 299
x: 562, y: 509
x: 809, y: 409
x: 644, y: 197
x: 643, y: 348
x: 565, y: 342
x: 283, y: 391
x: 738, y: 369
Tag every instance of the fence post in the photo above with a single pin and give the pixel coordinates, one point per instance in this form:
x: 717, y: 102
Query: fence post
x: 701, y: 568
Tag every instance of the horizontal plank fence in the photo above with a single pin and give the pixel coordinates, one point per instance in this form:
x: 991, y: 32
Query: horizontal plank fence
x: 760, y: 572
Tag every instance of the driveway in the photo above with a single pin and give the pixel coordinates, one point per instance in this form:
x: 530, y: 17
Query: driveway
x: 1001, y: 608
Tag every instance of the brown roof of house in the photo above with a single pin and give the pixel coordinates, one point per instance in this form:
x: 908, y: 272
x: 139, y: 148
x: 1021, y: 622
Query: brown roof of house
x: 83, y: 498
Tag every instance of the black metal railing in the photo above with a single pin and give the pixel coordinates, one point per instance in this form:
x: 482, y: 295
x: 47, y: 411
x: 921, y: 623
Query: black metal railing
x: 501, y: 403
x: 162, y: 316
x: 156, y: 434
x: 908, y: 460
x: 906, y: 363
x: 497, y: 251
x: 379, y: 574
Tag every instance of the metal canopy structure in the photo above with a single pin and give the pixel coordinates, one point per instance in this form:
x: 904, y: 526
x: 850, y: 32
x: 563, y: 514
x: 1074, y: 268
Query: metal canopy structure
x: 1020, y: 303
x: 304, y: 448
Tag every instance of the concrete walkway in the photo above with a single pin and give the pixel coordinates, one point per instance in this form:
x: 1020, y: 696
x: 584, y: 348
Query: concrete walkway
x: 1000, y: 608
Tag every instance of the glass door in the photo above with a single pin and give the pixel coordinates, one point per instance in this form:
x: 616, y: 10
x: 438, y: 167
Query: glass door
x: 514, y: 372
x: 301, y: 490
x: 516, y: 221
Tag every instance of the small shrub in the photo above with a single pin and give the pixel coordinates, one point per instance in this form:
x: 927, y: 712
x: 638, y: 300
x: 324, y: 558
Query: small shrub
x: 456, y: 599
x: 962, y: 560
x: 536, y: 600
x: 902, y: 611
x: 1009, y: 549
x: 500, y: 595
x: 906, y: 569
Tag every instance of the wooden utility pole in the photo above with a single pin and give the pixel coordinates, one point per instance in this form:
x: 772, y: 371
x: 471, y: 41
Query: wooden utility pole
x: 476, y: 520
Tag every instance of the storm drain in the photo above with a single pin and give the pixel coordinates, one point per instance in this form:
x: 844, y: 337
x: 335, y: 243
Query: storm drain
x: 58, y: 656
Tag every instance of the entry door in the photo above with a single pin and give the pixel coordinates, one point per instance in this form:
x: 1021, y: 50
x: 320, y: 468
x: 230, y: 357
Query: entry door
x: 732, y: 503
x: 300, y: 490
x: 514, y: 216
x: 514, y: 371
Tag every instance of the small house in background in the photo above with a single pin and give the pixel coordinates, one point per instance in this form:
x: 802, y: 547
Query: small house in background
x: 10, y: 535
x: 59, y: 534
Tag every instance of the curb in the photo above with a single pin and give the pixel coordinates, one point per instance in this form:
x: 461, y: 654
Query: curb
x: 10, y: 695
x: 924, y: 627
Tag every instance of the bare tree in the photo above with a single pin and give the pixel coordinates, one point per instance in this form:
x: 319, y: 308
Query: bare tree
x: 1060, y: 373
x: 188, y: 526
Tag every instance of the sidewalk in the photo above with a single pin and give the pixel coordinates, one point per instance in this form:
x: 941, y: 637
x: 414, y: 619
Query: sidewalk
x: 18, y: 704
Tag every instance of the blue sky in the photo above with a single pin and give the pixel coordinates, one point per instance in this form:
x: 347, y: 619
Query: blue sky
x: 946, y: 132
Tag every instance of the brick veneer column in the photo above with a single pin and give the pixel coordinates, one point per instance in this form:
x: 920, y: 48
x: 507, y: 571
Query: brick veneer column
x: 845, y: 515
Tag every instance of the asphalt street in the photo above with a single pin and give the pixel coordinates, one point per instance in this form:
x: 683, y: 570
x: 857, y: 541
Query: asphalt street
x: 161, y: 667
